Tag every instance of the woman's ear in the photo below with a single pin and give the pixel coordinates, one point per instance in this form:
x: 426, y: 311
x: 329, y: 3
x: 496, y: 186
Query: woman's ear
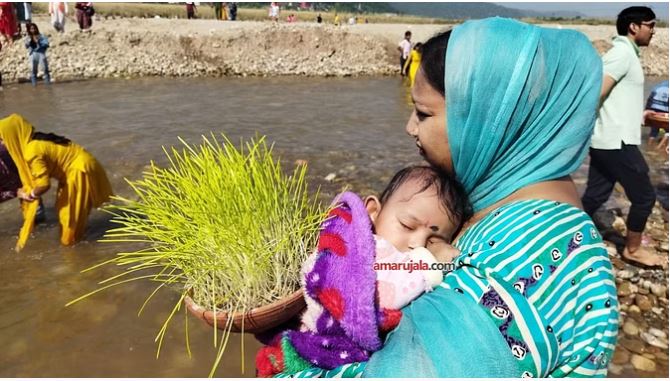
x: 373, y: 206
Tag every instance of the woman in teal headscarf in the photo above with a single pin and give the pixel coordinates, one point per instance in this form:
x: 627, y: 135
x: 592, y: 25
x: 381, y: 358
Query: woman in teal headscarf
x: 508, y: 108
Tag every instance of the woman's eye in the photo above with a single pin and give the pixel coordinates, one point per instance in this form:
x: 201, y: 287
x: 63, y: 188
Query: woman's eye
x: 421, y: 115
x: 406, y: 227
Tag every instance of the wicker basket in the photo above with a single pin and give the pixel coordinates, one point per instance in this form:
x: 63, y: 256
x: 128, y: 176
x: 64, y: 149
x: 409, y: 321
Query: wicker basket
x: 257, y: 320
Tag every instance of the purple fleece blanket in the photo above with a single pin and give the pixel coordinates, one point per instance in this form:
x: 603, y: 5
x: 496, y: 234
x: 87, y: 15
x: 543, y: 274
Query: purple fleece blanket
x: 343, y: 318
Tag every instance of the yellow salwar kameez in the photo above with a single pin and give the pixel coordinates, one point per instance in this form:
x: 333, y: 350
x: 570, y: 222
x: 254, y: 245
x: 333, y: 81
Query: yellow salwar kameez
x: 82, y: 181
x: 414, y: 62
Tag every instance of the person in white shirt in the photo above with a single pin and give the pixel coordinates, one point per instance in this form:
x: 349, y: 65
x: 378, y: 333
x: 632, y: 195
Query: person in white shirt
x: 405, y: 47
x: 58, y: 11
x: 274, y: 12
x: 615, y: 156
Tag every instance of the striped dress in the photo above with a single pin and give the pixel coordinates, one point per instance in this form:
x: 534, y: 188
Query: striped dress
x: 541, y: 272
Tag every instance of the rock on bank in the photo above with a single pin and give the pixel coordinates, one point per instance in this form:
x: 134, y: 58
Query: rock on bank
x: 264, y: 50
x: 192, y: 48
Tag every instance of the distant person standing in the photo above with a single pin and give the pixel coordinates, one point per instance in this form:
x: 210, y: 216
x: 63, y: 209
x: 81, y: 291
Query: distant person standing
x: 614, y: 152
x: 58, y: 10
x: 232, y: 11
x: 218, y: 6
x: 319, y: 19
x: 84, y: 13
x: 405, y: 47
x: 24, y: 13
x: 274, y: 12
x: 190, y: 10
x: 224, y: 11
x: 412, y: 64
x: 37, y: 45
x: 7, y: 22
x: 336, y: 21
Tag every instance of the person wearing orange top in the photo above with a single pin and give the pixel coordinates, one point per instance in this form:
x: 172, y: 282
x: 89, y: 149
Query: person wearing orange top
x: 82, y: 181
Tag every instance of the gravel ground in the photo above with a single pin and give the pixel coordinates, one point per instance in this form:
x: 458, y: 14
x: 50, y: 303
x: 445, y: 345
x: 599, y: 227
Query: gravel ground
x: 176, y: 47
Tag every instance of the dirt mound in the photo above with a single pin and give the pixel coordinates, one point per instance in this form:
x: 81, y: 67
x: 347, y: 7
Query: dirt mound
x: 272, y: 50
x: 186, y: 48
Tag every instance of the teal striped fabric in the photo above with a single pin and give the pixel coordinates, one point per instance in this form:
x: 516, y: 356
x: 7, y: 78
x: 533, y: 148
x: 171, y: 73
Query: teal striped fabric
x: 541, y: 272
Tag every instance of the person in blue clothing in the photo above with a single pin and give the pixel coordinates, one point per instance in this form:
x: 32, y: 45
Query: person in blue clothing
x: 656, y: 117
x: 37, y: 45
x: 657, y: 106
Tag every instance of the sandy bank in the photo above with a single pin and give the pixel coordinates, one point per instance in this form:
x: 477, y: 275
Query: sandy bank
x: 171, y: 47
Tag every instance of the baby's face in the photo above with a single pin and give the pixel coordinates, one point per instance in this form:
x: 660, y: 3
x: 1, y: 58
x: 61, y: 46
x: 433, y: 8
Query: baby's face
x: 409, y: 219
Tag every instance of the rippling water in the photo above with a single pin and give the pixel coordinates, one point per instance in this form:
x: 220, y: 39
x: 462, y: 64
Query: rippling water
x: 351, y: 127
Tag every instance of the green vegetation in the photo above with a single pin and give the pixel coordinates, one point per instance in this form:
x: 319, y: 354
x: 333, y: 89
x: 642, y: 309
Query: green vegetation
x: 222, y: 224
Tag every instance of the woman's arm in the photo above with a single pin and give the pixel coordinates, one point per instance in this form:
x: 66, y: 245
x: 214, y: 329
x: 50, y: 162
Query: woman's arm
x: 42, y: 41
x: 39, y: 172
x: 34, y: 194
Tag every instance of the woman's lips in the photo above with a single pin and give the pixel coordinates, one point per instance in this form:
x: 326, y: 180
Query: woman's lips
x: 421, y: 151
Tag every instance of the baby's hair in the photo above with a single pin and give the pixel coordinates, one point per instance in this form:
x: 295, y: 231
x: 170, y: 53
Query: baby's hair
x: 450, y: 192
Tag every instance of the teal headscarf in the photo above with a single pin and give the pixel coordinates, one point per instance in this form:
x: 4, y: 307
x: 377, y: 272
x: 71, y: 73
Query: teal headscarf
x: 521, y: 104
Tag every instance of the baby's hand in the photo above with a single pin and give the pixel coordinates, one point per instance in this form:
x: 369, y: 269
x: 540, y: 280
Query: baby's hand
x: 442, y: 251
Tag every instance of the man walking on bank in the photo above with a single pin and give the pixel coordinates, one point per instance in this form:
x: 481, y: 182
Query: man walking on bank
x: 405, y: 47
x: 615, y: 156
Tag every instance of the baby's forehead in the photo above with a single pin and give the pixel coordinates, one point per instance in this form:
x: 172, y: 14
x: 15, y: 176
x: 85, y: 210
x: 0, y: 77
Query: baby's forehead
x: 413, y: 188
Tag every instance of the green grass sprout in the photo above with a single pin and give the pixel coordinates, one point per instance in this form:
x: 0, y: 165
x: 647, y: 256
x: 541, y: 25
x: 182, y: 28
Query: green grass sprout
x: 223, y: 225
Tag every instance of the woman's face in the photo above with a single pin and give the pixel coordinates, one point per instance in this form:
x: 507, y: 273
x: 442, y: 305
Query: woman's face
x: 428, y: 124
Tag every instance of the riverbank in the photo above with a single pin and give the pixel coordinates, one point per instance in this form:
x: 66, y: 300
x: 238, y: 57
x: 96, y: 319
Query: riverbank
x: 134, y: 47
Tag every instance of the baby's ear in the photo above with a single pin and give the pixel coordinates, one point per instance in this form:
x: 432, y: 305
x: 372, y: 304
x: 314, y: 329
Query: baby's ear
x: 373, y: 206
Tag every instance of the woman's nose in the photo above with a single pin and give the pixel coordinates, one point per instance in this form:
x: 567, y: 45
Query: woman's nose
x: 411, y: 127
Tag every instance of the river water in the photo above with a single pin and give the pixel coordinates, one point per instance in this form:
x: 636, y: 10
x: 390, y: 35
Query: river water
x: 353, y: 128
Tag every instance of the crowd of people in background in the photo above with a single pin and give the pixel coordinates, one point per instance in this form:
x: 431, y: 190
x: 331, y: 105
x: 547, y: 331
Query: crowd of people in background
x: 13, y: 16
x: 225, y: 11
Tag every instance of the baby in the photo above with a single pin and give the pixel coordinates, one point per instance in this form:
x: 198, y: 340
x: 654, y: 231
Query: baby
x: 374, y: 257
x: 414, y: 221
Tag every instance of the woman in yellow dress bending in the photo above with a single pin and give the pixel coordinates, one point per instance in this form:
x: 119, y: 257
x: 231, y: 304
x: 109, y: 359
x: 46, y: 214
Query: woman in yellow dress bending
x: 414, y: 61
x: 82, y: 182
